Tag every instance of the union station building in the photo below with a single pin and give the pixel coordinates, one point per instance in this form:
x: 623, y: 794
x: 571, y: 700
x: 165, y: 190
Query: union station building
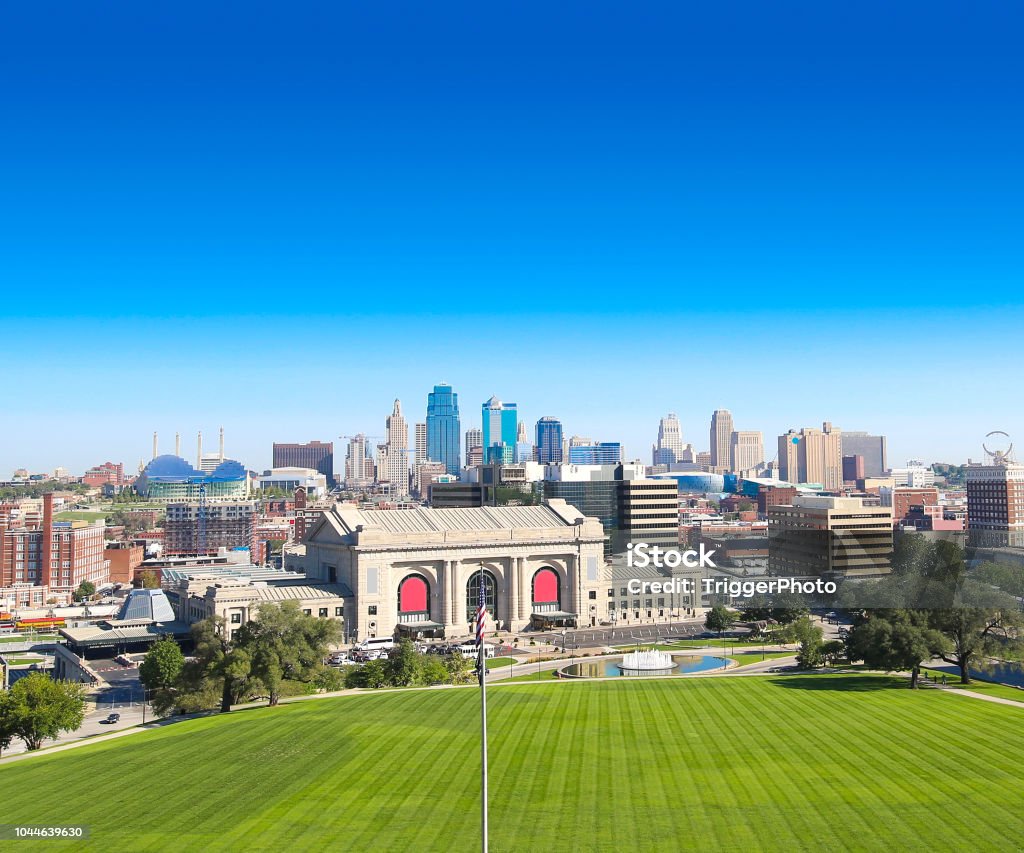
x: 417, y: 572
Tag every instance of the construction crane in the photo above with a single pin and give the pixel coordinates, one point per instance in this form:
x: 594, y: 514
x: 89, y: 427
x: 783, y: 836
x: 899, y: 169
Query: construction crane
x: 200, y: 516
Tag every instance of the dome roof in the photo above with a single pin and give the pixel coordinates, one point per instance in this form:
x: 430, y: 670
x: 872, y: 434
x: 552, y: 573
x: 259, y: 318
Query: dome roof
x: 171, y: 467
x: 229, y: 469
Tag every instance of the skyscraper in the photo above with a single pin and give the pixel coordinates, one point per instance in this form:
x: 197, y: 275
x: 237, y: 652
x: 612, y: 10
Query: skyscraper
x: 721, y: 440
x: 358, y: 463
x: 444, y: 430
x: 420, y: 446
x: 524, y: 447
x: 871, y: 447
x: 500, y: 422
x: 318, y: 455
x: 812, y: 456
x: 474, y: 439
x: 395, y: 456
x: 669, y: 448
x: 747, y: 449
x: 549, y: 441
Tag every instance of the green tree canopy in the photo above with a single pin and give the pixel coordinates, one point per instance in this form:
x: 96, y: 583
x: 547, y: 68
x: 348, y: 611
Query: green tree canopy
x: 86, y: 589
x: 896, y: 641
x: 162, y: 665
x: 718, y: 619
x: 38, y: 708
x: 283, y: 642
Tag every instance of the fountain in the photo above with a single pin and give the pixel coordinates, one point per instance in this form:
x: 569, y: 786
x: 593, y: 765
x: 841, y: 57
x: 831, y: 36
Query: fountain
x: 649, y: 661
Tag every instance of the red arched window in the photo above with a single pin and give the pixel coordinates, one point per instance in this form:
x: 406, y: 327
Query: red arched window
x: 413, y: 596
x: 546, y: 592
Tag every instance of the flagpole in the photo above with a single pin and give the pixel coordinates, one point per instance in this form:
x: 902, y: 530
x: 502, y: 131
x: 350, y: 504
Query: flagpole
x: 482, y: 674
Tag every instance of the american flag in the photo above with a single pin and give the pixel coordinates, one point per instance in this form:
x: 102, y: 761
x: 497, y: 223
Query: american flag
x: 481, y: 616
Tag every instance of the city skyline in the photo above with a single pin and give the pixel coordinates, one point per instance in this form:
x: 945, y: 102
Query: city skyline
x: 247, y: 450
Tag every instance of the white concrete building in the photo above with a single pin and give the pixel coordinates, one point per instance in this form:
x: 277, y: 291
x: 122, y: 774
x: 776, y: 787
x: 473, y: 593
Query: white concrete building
x: 418, y: 571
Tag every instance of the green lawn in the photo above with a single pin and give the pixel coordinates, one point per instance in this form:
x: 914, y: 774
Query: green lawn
x: 790, y: 763
x: 501, y: 662
x: 743, y: 658
x: 26, y: 638
x: 79, y: 515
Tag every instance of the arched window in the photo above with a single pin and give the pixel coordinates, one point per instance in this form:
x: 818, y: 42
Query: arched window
x: 473, y: 595
x: 414, y: 599
x: 547, y: 596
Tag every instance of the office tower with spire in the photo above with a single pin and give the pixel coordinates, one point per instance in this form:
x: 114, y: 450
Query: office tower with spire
x: 392, y: 457
x: 721, y: 440
x: 524, y: 447
x: 500, y: 427
x: 444, y: 430
x: 550, y: 443
x: 669, y: 448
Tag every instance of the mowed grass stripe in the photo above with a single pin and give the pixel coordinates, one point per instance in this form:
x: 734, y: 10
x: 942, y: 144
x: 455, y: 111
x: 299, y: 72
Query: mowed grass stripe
x: 759, y: 762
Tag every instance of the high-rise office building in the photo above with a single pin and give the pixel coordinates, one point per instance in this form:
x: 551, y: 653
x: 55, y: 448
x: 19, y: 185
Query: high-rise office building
x: 853, y: 468
x: 318, y: 455
x: 871, y: 447
x: 603, y: 453
x: 500, y: 422
x: 669, y: 448
x: 812, y: 456
x: 524, y: 447
x: 721, y: 440
x: 747, y: 449
x: 995, y: 504
x: 358, y: 463
x: 829, y: 536
x: 444, y: 431
x: 420, y: 444
x: 549, y: 441
x: 474, y: 440
x: 393, y: 464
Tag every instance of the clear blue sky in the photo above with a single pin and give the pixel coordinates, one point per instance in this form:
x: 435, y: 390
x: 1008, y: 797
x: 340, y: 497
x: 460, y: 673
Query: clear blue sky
x: 279, y: 217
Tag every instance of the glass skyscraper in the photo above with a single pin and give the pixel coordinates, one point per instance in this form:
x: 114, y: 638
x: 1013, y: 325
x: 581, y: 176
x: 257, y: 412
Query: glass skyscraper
x: 549, y: 441
x: 500, y: 429
x: 443, y: 428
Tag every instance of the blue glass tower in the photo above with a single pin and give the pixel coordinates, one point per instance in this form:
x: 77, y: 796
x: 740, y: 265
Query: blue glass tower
x: 443, y: 428
x: 500, y: 427
x: 549, y: 441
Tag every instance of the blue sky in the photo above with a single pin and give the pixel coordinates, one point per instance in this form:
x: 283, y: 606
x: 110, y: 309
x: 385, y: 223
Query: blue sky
x: 279, y: 217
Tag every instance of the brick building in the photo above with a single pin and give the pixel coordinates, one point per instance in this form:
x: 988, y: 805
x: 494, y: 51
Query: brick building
x: 57, y: 554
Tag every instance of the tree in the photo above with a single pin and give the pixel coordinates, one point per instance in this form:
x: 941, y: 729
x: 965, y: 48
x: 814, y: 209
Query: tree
x: 329, y: 679
x: 161, y: 669
x: 7, y: 729
x: 833, y: 651
x: 808, y: 635
x: 86, y: 589
x: 719, y: 619
x: 896, y: 641
x: 975, y: 635
x: 402, y: 667
x: 460, y: 670
x: 149, y: 579
x: 39, y: 708
x: 783, y: 608
x: 282, y: 643
x: 209, y: 677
